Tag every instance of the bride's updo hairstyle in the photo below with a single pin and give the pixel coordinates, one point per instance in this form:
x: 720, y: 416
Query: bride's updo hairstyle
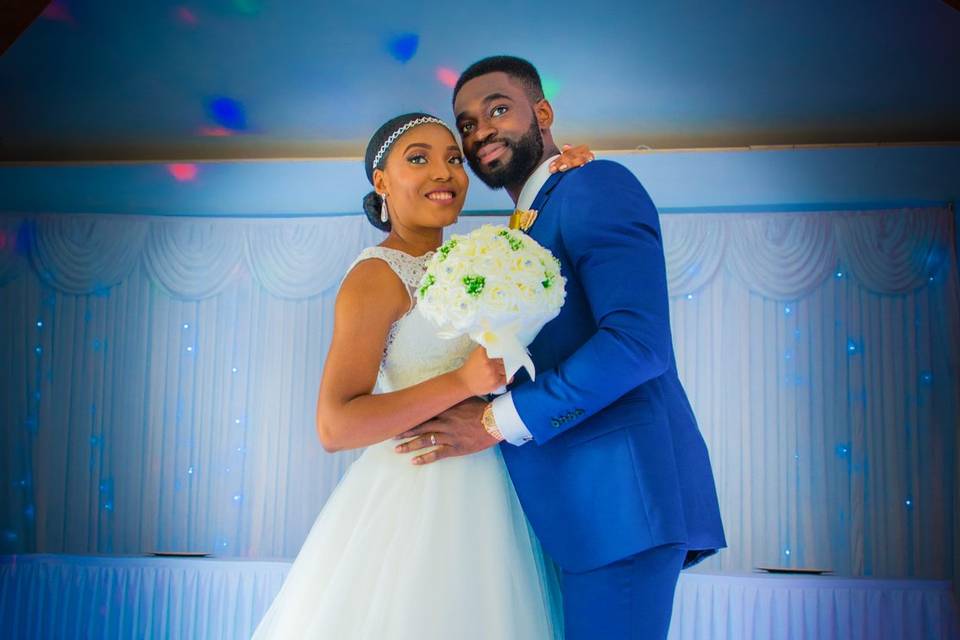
x: 378, y: 150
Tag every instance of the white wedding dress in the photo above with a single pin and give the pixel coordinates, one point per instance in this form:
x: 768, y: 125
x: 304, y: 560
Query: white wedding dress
x: 440, y: 551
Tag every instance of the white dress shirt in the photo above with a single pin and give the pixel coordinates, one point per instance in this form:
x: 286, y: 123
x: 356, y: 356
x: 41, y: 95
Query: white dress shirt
x: 504, y: 411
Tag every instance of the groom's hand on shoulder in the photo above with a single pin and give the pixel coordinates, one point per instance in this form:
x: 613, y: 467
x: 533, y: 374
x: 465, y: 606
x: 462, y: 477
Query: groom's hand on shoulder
x: 458, y: 431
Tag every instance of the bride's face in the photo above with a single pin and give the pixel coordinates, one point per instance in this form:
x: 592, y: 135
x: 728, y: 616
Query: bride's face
x: 424, y: 178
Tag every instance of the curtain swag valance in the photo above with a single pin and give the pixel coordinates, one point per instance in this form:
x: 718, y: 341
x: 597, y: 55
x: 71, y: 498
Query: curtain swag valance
x: 781, y: 256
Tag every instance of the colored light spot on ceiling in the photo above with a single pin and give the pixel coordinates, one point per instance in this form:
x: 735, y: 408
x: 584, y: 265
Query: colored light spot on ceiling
x: 3, y: 241
x: 228, y: 113
x: 183, y: 172
x: 404, y: 46
x: 214, y: 132
x: 248, y: 7
x: 57, y: 11
x: 550, y: 87
x: 447, y: 77
x: 185, y: 16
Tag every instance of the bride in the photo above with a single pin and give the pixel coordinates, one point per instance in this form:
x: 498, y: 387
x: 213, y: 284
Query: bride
x: 404, y: 550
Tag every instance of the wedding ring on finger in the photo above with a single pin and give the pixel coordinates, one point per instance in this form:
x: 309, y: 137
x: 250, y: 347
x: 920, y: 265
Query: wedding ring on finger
x: 433, y: 439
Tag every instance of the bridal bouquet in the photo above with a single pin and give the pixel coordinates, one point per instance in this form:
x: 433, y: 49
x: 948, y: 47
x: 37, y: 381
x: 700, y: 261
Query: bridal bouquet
x: 497, y: 285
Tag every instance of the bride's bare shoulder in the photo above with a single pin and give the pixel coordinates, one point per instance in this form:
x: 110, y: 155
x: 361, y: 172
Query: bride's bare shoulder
x: 372, y: 284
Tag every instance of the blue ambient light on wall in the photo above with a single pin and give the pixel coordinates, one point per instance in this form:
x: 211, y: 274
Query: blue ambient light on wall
x: 404, y: 46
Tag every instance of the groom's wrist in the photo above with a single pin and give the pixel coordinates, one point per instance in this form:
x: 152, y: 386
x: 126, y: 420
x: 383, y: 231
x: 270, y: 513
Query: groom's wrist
x: 489, y: 422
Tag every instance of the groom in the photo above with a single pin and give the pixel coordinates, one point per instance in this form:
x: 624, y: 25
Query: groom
x: 603, y: 448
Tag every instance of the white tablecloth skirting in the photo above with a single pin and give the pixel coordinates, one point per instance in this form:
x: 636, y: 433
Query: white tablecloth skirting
x: 57, y: 596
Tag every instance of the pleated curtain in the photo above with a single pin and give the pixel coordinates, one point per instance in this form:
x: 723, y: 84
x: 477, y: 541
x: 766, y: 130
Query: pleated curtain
x: 158, y: 380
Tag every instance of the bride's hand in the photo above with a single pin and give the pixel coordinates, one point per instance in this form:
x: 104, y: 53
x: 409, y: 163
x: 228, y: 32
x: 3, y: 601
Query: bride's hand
x: 572, y: 157
x: 482, y: 375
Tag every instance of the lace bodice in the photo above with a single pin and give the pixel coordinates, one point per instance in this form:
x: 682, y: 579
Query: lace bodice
x: 413, y: 352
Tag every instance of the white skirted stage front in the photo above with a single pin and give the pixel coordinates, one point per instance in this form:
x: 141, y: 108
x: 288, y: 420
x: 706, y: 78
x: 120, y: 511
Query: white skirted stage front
x: 63, y: 596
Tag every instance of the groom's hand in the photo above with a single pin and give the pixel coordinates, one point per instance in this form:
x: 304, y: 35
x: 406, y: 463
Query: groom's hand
x: 455, y: 432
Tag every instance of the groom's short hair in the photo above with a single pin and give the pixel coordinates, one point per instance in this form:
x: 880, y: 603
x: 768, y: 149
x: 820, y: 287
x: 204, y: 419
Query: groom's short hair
x: 517, y: 68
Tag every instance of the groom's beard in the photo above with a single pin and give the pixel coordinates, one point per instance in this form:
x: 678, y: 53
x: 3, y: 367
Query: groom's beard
x: 525, y: 155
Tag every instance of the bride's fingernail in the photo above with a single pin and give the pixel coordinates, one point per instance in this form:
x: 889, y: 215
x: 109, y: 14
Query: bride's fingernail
x: 399, y: 448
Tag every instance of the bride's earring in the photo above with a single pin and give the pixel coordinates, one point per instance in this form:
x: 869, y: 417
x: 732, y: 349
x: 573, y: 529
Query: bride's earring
x: 384, y: 216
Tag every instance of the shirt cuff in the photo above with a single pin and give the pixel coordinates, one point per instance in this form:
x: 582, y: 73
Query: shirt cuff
x: 508, y: 420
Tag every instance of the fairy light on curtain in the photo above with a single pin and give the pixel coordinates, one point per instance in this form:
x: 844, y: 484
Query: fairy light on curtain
x: 171, y: 403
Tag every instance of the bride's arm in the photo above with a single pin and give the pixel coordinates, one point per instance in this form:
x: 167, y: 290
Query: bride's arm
x: 348, y: 414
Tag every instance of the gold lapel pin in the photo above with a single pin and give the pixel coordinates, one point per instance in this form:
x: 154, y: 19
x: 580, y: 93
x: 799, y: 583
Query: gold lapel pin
x: 522, y: 219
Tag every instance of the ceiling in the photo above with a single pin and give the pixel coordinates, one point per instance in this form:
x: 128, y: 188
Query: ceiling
x: 113, y: 80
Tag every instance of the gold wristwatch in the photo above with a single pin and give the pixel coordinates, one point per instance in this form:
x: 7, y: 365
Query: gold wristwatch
x: 489, y: 422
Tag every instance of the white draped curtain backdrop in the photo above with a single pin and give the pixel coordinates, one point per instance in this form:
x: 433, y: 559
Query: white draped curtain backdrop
x: 159, y: 376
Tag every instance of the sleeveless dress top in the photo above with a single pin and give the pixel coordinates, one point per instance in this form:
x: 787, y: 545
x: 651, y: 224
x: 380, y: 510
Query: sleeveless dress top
x: 402, y: 551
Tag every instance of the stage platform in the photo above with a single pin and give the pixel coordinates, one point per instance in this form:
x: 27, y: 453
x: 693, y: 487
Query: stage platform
x: 137, y: 597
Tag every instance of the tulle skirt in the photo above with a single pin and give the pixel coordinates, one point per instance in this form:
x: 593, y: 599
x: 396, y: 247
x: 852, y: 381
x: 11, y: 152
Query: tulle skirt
x: 402, y: 551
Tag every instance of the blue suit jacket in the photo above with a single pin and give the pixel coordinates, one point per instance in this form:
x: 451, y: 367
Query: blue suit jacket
x: 618, y: 464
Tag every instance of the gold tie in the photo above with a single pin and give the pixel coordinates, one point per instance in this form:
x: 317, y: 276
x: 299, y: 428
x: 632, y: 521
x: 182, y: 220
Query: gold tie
x: 522, y: 219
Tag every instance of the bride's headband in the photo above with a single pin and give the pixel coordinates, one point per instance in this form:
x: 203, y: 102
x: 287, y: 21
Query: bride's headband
x: 402, y: 130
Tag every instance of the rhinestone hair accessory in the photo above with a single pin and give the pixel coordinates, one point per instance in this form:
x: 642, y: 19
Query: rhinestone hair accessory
x: 402, y: 130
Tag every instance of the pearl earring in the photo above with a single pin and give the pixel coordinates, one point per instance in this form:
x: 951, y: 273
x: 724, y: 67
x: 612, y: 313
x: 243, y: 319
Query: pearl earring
x: 384, y: 216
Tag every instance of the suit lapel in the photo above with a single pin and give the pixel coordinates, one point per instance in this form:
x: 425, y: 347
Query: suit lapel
x: 544, y: 194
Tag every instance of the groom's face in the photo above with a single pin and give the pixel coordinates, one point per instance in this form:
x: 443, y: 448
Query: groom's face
x: 500, y: 133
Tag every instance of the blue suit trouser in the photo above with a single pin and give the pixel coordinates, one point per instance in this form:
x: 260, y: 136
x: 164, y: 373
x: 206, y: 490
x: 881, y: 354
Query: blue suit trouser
x: 631, y: 598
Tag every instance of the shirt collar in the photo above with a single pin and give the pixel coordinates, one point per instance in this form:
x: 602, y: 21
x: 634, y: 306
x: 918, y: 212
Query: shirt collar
x: 534, y: 183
